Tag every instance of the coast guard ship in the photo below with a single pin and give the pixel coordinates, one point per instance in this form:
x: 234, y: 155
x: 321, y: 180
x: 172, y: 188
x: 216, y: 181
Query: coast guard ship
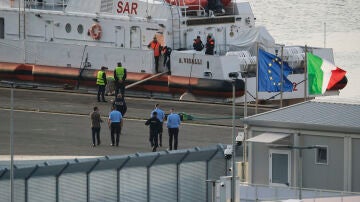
x: 67, y: 41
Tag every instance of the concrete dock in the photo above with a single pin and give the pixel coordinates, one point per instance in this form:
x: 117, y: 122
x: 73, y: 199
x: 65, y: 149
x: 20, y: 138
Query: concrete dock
x: 57, y: 123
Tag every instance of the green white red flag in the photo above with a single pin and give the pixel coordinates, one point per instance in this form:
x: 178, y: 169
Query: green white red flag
x: 322, y: 74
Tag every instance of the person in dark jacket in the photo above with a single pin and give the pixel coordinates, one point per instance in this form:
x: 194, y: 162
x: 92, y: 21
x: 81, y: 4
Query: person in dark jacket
x: 120, y: 104
x: 198, y: 44
x: 210, y: 45
x: 95, y: 126
x: 154, y: 125
x: 167, y: 53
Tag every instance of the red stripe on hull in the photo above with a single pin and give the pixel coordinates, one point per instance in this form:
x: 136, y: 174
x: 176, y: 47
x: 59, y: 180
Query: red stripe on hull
x: 161, y: 84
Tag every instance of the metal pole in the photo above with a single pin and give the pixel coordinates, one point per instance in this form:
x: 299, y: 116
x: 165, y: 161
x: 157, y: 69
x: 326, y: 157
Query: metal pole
x: 245, y: 102
x: 324, y: 34
x: 257, y: 78
x: 282, y: 76
x: 12, y: 143
x: 305, y: 74
x: 300, y: 174
x: 233, y: 144
x: 245, y: 115
x: 19, y: 18
x: 213, y: 191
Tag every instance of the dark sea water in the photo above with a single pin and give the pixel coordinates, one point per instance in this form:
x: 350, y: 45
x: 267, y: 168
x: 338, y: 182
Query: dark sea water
x: 294, y: 22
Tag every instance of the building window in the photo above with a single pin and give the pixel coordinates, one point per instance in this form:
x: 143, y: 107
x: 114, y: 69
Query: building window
x: 322, y: 155
x: 80, y: 29
x: 68, y: 27
x: 2, y: 28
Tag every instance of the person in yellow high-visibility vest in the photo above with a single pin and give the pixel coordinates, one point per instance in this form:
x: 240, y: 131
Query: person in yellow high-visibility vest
x: 120, y: 77
x: 101, y: 83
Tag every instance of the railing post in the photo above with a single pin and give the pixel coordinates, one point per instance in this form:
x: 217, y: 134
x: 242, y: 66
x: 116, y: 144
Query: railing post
x: 178, y: 173
x: 88, y: 180
x: 27, y: 183
x: 148, y: 176
x: 57, y: 182
x: 118, y: 178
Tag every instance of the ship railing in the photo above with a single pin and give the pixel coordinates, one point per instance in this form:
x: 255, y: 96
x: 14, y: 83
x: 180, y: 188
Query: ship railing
x: 260, y: 192
x: 186, y: 9
x: 57, y: 5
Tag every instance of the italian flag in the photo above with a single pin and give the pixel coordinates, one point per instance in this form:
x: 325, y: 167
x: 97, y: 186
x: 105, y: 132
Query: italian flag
x: 322, y: 74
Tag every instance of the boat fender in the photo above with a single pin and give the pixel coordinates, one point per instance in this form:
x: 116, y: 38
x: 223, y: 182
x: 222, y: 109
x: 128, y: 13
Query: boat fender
x: 95, y: 31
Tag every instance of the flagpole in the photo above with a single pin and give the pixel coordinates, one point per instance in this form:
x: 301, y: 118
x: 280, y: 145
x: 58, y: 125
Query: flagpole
x: 282, y: 76
x: 324, y: 34
x: 305, y: 74
x: 257, y: 77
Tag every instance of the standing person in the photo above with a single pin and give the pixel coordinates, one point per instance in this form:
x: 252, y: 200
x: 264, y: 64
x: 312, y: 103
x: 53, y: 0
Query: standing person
x: 155, y: 45
x: 198, y: 44
x: 101, y: 83
x: 167, y: 52
x: 120, y: 77
x: 161, y: 116
x: 173, y: 123
x: 95, y: 126
x: 154, y: 125
x: 210, y: 45
x: 120, y: 104
x: 115, y: 124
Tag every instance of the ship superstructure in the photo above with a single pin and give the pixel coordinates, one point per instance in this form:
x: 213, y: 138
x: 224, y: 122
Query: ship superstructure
x: 65, y: 40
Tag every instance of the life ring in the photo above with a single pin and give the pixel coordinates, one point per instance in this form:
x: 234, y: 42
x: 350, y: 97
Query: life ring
x: 95, y: 31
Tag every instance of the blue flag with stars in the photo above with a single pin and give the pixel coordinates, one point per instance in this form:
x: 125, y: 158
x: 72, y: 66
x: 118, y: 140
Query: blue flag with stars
x: 269, y: 69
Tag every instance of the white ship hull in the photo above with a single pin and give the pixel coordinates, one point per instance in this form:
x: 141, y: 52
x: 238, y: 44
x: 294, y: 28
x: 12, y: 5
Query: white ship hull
x: 56, y: 35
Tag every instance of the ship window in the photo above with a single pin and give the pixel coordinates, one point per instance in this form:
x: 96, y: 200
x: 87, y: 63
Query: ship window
x: 2, y: 28
x: 80, y: 29
x: 322, y: 155
x: 68, y: 27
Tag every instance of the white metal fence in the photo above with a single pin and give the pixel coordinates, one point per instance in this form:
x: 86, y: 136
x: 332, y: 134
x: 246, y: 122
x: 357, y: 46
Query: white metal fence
x: 250, y: 193
x: 160, y: 176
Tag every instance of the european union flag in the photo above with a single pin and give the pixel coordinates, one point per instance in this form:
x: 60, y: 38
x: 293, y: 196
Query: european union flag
x: 269, y: 71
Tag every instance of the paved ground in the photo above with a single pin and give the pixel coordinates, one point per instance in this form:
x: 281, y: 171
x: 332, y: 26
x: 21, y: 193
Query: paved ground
x: 57, y: 123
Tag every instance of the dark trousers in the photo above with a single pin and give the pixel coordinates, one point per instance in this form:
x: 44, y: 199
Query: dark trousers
x: 119, y: 86
x: 160, y: 134
x: 157, y: 63
x: 95, y: 132
x: 115, y: 129
x: 153, y: 138
x: 173, y: 134
x: 167, y: 62
x: 101, y: 91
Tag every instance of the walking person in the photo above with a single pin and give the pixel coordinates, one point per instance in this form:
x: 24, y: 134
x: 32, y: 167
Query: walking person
x: 173, y: 123
x: 120, y: 104
x: 161, y: 116
x: 156, y: 46
x: 101, y: 83
x: 154, y: 126
x: 120, y: 77
x: 95, y: 126
x: 115, y: 124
